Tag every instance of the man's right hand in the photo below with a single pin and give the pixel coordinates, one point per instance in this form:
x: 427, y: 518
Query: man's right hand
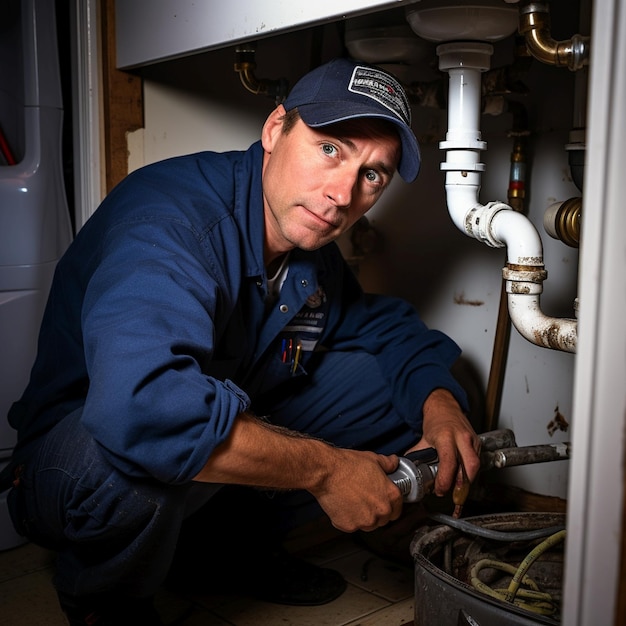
x: 351, y: 486
x: 357, y: 493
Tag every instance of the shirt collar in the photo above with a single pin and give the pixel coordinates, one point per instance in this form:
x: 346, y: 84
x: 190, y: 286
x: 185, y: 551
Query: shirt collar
x: 249, y: 212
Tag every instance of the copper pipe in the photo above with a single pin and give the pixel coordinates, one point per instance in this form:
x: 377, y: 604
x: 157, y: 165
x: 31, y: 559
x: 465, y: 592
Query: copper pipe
x: 534, y: 25
x: 249, y: 80
x: 245, y: 66
x: 493, y: 395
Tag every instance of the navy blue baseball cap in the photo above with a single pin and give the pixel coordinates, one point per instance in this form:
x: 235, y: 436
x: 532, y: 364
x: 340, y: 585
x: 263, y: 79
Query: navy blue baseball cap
x: 344, y: 89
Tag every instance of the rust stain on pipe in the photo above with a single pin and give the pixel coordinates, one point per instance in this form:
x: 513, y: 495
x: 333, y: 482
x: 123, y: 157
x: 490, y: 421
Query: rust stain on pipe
x: 552, y: 337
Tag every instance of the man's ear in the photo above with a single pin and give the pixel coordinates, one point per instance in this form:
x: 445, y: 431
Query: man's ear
x: 272, y: 128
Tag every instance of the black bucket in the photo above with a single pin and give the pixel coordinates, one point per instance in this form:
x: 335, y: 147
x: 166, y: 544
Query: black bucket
x: 446, y: 592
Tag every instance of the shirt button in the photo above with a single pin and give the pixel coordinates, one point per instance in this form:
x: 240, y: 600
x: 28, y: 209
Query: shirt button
x: 304, y: 282
x: 283, y: 308
x: 259, y: 283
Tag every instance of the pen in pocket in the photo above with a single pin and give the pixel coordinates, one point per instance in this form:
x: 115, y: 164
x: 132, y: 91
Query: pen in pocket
x: 296, y: 358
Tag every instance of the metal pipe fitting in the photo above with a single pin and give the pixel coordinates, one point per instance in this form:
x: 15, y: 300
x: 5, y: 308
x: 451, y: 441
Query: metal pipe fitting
x: 517, y: 176
x: 245, y: 66
x: 562, y: 221
x: 497, y: 439
x: 534, y: 25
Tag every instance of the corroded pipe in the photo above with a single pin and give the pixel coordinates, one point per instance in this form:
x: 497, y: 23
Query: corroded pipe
x: 495, y: 223
x: 526, y: 455
x: 497, y: 439
x: 534, y: 25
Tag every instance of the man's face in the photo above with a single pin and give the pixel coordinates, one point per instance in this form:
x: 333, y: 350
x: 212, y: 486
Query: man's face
x: 318, y: 182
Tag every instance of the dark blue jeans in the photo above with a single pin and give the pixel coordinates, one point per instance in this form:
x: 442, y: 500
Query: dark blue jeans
x: 111, y: 532
x: 118, y: 533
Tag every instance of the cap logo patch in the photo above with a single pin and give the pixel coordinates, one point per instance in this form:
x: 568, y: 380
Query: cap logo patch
x: 382, y: 88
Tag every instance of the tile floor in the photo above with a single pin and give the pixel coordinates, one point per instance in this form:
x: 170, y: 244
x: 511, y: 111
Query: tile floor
x: 379, y: 593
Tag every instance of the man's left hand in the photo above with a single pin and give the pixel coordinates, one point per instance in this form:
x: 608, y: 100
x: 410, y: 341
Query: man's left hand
x: 447, y: 429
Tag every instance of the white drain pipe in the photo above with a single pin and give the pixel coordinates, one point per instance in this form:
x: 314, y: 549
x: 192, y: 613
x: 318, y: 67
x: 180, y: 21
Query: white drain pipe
x: 495, y: 223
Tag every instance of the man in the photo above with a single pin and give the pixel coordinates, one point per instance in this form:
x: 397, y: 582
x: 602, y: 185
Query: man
x: 205, y: 292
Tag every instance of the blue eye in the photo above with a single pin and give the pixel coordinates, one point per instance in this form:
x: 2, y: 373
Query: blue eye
x: 329, y: 149
x: 372, y: 176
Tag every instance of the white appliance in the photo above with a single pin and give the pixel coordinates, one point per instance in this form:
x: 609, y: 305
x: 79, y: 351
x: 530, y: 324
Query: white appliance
x: 35, y: 227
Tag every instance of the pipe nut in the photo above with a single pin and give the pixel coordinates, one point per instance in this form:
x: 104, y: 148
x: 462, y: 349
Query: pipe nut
x: 526, y: 280
x: 479, y: 221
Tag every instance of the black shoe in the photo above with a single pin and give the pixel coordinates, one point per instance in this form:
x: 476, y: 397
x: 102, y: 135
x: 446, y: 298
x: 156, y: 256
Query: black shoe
x: 220, y: 552
x: 271, y: 576
x: 108, y: 610
x: 284, y: 579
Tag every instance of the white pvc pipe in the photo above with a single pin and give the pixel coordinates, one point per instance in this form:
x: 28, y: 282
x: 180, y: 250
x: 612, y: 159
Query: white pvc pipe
x: 538, y: 328
x: 462, y: 196
x: 518, y: 233
x: 463, y: 110
x: 496, y: 224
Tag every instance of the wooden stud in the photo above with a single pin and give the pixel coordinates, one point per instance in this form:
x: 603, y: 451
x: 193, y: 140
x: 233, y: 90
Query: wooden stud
x: 122, y: 102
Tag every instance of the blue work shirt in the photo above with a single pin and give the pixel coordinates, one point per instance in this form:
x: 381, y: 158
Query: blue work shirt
x: 157, y: 325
